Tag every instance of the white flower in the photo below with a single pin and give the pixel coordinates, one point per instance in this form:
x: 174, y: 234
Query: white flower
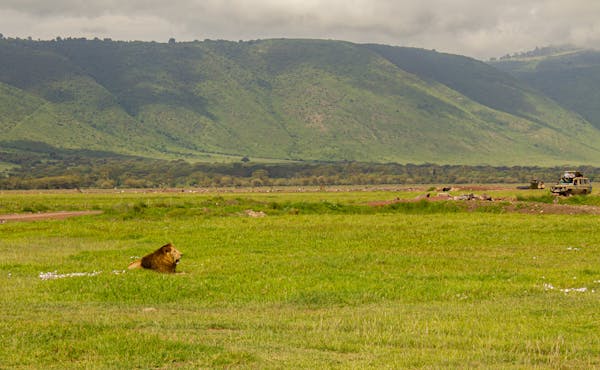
x: 54, y: 275
x: 580, y: 290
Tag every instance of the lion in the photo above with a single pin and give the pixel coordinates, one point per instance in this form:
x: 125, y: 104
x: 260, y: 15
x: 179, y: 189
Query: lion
x: 164, y: 259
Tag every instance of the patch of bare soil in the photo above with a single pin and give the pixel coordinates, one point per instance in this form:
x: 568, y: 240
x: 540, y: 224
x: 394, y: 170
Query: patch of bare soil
x: 556, y: 209
x: 474, y: 203
x: 22, y: 217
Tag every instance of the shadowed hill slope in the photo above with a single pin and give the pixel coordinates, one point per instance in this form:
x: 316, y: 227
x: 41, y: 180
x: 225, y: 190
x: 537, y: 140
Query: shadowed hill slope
x: 571, y: 77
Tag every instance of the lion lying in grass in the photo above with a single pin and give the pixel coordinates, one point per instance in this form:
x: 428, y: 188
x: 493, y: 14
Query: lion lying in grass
x: 164, y: 259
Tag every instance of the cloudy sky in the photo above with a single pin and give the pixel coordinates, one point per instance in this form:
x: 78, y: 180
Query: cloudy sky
x: 477, y: 28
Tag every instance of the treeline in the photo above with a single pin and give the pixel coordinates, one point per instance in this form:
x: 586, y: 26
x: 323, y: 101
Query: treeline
x: 538, y: 52
x: 146, y: 173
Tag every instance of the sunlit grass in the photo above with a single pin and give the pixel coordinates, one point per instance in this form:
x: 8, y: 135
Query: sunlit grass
x: 335, y: 284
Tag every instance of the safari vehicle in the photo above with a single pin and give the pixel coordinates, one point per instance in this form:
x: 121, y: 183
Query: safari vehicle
x: 533, y: 184
x: 572, y: 182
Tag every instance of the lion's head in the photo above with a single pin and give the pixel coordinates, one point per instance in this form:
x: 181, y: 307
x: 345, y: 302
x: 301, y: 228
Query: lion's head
x: 171, y: 254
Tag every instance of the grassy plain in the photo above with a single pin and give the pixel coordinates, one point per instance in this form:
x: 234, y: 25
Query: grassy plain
x: 321, y: 281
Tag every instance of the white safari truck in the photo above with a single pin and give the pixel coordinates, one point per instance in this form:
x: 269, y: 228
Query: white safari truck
x: 572, y: 182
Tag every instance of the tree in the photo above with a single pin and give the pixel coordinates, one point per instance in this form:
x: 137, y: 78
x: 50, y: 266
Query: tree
x: 172, y: 41
x: 261, y: 174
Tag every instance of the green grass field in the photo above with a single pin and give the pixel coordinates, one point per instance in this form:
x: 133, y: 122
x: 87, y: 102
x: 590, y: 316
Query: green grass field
x: 321, y: 281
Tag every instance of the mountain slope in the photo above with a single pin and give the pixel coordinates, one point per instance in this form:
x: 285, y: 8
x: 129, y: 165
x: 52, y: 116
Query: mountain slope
x: 280, y: 99
x: 570, y: 77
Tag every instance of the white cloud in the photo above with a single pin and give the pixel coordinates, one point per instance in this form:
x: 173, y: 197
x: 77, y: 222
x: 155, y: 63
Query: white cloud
x: 478, y: 28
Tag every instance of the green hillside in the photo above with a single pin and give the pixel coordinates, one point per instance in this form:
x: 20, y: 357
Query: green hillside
x: 279, y: 100
x: 571, y: 77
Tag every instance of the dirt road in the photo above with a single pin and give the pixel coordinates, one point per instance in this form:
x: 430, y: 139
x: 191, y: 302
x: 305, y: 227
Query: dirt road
x: 22, y: 217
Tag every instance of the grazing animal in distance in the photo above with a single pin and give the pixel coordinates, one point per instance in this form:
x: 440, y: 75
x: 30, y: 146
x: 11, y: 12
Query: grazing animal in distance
x: 164, y: 259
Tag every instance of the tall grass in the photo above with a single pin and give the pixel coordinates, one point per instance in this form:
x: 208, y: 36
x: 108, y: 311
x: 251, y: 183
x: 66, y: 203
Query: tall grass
x: 333, y: 284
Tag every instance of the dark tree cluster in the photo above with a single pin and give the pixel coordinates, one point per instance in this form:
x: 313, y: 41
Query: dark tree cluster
x: 68, y: 172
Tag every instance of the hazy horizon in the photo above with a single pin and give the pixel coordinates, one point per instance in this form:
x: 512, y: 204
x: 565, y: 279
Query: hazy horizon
x: 479, y: 29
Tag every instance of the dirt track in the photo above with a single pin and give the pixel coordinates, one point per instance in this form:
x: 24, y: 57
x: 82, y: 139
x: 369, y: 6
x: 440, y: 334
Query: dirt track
x: 22, y: 217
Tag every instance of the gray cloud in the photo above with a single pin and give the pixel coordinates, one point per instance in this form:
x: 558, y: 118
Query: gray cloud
x: 478, y: 28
